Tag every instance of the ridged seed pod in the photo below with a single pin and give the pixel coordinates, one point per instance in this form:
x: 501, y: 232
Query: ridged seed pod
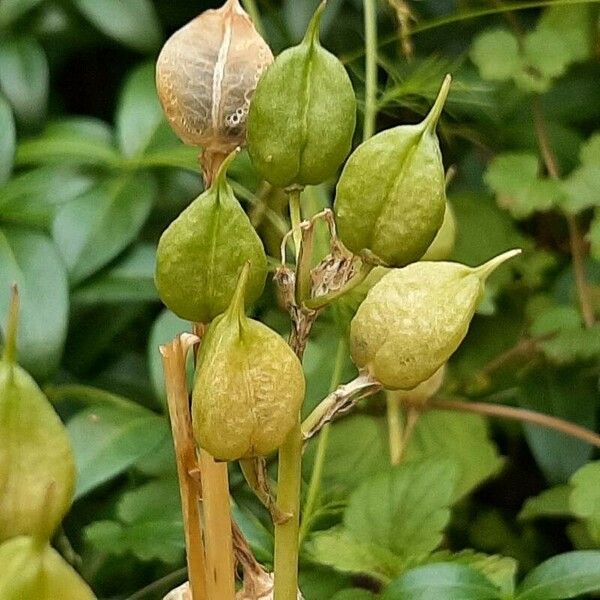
x: 201, y: 253
x: 37, y: 467
x: 248, y: 387
x: 391, y: 197
x: 35, y: 571
x: 413, y: 320
x: 206, y: 75
x: 303, y: 114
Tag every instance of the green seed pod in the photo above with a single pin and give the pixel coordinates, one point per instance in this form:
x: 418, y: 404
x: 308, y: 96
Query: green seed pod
x: 248, y: 388
x: 303, y: 114
x: 413, y: 320
x: 201, y: 253
x: 37, y: 468
x: 443, y: 244
x: 206, y: 74
x: 35, y: 571
x: 391, y: 196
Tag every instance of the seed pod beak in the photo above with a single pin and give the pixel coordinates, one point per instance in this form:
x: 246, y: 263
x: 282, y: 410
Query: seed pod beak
x: 237, y: 309
x: 312, y: 33
x: 486, y: 269
x: 431, y: 120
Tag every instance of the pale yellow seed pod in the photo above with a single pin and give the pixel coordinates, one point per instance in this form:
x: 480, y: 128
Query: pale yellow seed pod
x: 206, y: 75
x: 419, y: 395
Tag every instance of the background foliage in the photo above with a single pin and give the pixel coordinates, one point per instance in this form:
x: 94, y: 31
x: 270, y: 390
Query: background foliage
x: 90, y: 174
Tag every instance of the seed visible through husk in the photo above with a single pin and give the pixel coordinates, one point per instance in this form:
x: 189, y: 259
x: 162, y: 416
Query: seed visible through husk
x: 206, y: 75
x: 248, y: 388
x: 391, y: 196
x: 413, y: 320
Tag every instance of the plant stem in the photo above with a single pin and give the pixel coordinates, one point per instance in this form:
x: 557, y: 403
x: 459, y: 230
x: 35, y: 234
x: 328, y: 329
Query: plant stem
x: 394, y: 419
x: 370, y: 10
x: 9, y: 354
x: 252, y: 10
x: 288, y: 501
x: 173, y: 358
x: 296, y: 218
x: 217, y: 525
x: 314, y: 486
x: 518, y: 414
x: 576, y: 240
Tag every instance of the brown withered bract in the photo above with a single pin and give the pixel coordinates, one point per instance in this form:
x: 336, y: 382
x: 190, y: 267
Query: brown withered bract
x: 206, y: 75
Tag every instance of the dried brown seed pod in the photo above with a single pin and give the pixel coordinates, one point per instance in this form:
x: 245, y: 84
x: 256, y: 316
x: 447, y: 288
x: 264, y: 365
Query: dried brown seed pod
x: 206, y: 75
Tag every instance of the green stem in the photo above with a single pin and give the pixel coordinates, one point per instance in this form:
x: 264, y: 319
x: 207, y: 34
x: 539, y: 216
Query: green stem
x: 370, y: 9
x: 288, y: 501
x: 394, y: 428
x: 314, y: 486
x: 252, y: 10
x: 10, y: 340
x: 296, y: 218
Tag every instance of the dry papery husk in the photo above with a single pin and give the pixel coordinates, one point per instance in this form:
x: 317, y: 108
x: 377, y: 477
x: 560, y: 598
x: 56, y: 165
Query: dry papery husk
x: 206, y: 75
x: 261, y: 589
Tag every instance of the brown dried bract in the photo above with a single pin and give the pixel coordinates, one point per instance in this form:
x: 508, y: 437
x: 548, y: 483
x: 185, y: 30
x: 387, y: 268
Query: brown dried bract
x: 206, y: 75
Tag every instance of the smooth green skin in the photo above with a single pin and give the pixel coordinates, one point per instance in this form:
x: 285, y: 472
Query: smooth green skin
x: 200, y: 255
x: 413, y: 320
x: 37, y: 467
x: 249, y: 387
x: 443, y: 244
x: 302, y: 116
x: 391, y: 198
x: 34, y: 571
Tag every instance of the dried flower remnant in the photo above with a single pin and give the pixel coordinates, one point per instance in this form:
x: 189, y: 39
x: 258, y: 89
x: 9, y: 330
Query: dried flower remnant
x: 206, y: 75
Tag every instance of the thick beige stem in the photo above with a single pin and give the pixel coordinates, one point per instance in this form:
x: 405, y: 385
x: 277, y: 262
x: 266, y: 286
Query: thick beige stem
x: 217, y: 528
x: 173, y: 358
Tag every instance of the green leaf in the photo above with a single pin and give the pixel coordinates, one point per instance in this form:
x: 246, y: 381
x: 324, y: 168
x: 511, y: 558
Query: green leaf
x: 445, y: 580
x: 165, y: 328
x: 553, y: 502
x: 8, y: 140
x: 582, y: 186
x: 546, y: 52
x: 33, y: 198
x: 258, y: 536
x: 339, y: 549
x: 500, y: 570
x: 30, y: 260
x: 354, y: 594
x: 157, y: 500
x: 565, y: 394
x: 77, y: 141
x: 108, y: 439
x: 11, y: 10
x: 460, y: 437
x: 146, y: 540
x: 585, y: 497
x: 573, y: 25
x: 131, y: 279
x: 563, y: 576
x: 133, y: 23
x: 93, y: 229
x: 141, y: 124
x: 356, y: 449
x: 513, y: 176
x: 24, y: 77
x: 496, y: 54
x: 404, y: 510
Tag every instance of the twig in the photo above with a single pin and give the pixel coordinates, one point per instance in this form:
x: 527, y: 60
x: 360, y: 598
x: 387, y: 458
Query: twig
x: 339, y: 402
x: 517, y: 414
x: 370, y: 10
x: 576, y: 240
x: 173, y: 358
x: 217, y: 528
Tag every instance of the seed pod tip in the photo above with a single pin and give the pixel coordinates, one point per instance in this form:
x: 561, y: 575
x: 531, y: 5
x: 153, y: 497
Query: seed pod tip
x: 487, y: 268
x: 431, y: 120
